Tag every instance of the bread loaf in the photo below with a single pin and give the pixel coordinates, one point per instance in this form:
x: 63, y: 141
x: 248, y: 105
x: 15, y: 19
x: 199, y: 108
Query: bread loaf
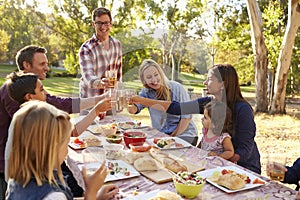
x: 166, y: 195
x: 167, y: 161
x: 231, y: 181
x: 145, y: 164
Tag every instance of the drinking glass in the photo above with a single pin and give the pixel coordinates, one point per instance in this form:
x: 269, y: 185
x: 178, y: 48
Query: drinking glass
x: 93, y: 157
x: 129, y: 93
x: 112, y: 94
x: 276, y: 164
x: 111, y: 76
x: 122, y: 103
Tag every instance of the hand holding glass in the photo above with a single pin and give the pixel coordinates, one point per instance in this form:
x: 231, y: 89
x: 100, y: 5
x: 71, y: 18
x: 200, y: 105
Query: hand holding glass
x: 276, y: 165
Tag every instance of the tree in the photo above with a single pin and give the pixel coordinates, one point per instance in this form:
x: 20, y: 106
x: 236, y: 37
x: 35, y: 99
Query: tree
x: 4, y: 40
x: 284, y: 60
x: 260, y: 52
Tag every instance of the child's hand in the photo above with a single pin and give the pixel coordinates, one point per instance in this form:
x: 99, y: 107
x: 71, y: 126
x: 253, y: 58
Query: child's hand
x: 94, y: 182
x: 136, y: 99
x: 107, y: 192
x: 212, y: 154
x: 103, y: 105
x: 132, y: 109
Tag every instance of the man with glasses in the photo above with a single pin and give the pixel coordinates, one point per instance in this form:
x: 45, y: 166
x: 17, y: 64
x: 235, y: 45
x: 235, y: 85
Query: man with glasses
x: 98, y: 55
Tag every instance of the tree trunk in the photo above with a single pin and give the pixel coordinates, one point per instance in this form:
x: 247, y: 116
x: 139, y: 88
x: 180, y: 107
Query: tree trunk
x: 284, y: 60
x: 260, y: 52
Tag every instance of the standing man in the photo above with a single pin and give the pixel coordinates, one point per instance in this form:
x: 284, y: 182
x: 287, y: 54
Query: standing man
x: 99, y: 54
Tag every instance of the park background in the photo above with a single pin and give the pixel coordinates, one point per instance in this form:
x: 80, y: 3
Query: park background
x: 185, y: 37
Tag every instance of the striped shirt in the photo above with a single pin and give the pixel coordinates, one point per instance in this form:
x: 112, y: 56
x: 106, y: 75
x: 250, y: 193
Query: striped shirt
x: 95, y: 60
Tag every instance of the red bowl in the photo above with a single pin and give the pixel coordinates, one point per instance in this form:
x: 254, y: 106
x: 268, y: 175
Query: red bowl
x: 134, y: 137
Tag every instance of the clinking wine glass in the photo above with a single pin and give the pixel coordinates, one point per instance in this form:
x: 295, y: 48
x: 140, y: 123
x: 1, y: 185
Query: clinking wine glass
x: 111, y: 76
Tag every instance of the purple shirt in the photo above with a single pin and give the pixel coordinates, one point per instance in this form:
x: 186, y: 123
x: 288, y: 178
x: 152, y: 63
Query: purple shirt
x: 8, y: 107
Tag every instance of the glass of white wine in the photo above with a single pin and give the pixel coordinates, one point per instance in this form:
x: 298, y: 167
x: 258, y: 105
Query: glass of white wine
x: 111, y: 76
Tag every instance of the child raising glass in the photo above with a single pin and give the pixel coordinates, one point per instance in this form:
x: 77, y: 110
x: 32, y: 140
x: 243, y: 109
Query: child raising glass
x: 216, y: 130
x: 41, y: 134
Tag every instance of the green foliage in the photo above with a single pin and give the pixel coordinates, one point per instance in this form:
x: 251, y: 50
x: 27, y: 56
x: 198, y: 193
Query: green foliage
x: 234, y: 42
x: 274, y: 27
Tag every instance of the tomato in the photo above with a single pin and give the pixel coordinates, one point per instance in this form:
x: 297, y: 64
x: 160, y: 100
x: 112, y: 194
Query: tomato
x: 127, y: 173
x: 78, y: 141
x: 155, y: 140
x: 248, y: 180
x: 224, y: 171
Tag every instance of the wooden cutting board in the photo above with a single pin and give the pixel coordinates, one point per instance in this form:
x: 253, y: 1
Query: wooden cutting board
x: 162, y: 175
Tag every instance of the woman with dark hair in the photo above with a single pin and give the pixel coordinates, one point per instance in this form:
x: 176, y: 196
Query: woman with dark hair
x: 222, y: 84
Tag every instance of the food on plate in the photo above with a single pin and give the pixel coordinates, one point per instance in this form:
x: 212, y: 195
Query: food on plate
x: 139, y: 147
x: 114, y: 139
x: 145, y: 164
x: 109, y: 129
x: 231, y: 181
x: 129, y: 125
x: 114, y: 168
x: 166, y: 195
x: 78, y: 142
x: 166, y: 143
x: 242, y: 176
x: 91, y: 141
x: 188, y: 184
x: 258, y: 181
x: 113, y: 151
x: 134, y: 137
x: 167, y: 161
x: 131, y: 156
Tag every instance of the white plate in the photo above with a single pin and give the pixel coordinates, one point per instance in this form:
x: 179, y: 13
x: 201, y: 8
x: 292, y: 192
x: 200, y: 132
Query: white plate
x: 118, y: 176
x: 184, y: 143
x: 208, y: 173
x: 85, y: 134
x: 95, y: 129
x: 125, y: 125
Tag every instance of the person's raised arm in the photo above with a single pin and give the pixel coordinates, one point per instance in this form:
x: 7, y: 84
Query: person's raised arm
x: 86, y: 103
x: 156, y: 104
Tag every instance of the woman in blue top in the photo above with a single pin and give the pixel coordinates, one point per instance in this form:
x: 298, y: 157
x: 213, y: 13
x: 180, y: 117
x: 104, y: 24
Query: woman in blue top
x: 223, y: 84
x: 157, y: 86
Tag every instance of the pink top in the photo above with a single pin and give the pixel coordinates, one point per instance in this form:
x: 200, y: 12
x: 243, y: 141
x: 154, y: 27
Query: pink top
x: 213, y: 144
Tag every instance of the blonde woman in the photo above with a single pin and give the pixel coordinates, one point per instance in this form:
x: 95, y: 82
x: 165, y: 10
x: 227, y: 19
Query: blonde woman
x: 40, y: 144
x: 157, y: 86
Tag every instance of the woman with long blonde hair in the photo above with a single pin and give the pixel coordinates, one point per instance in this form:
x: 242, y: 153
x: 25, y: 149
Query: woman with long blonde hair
x: 157, y: 86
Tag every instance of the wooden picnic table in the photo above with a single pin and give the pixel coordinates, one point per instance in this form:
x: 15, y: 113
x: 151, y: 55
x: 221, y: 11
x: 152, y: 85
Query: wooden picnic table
x: 140, y: 184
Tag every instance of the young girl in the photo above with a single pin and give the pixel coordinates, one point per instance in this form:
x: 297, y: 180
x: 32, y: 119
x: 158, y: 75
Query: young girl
x: 41, y: 134
x: 157, y: 86
x: 216, y: 127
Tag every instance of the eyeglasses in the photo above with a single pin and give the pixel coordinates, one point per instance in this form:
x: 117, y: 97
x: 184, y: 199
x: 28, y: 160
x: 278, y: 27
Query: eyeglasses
x: 99, y: 24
